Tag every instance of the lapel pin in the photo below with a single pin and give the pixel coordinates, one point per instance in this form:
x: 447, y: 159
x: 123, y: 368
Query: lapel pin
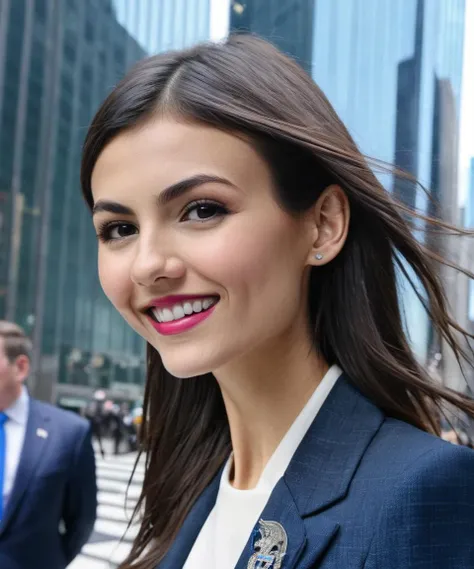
x: 42, y: 433
x: 270, y: 545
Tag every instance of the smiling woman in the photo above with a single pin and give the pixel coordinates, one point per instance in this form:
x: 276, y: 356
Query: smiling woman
x: 243, y: 235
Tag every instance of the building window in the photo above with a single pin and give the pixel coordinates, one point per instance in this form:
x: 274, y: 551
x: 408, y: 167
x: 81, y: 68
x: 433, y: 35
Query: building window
x: 70, y: 48
x: 89, y: 31
x: 41, y: 9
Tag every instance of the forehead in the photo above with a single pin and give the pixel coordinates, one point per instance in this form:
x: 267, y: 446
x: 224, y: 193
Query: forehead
x: 165, y: 150
x: 2, y: 346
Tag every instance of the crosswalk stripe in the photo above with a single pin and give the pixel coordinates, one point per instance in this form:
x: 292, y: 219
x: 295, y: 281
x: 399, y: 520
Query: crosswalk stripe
x: 124, y: 476
x: 121, y: 459
x: 116, y: 529
x: 110, y: 543
x: 110, y: 551
x: 90, y: 563
x: 107, y: 512
x: 113, y: 486
x: 140, y: 469
x: 115, y: 499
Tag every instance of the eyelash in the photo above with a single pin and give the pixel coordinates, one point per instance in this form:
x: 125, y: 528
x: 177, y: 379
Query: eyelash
x: 199, y: 203
x: 104, y: 230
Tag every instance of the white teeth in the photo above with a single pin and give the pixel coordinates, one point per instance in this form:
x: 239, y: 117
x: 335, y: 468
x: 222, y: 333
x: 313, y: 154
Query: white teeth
x: 180, y: 310
x: 167, y: 315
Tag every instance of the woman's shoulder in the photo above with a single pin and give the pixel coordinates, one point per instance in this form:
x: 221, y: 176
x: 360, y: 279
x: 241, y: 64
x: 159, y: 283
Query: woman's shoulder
x: 401, y: 451
x: 411, y: 457
x: 428, y: 498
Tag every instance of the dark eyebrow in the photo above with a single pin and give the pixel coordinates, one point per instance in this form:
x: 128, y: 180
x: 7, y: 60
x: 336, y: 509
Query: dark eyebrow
x: 111, y: 207
x: 180, y: 188
x: 166, y: 196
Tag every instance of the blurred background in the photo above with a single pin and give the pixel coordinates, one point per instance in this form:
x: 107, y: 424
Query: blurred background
x: 399, y: 72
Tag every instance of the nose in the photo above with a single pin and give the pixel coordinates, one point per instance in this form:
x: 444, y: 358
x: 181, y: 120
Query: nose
x: 151, y: 264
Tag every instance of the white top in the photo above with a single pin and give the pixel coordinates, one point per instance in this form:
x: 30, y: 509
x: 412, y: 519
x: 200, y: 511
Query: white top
x: 231, y: 521
x: 15, y: 430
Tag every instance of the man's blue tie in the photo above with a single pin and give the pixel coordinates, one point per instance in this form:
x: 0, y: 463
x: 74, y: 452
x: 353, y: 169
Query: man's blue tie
x: 3, y: 456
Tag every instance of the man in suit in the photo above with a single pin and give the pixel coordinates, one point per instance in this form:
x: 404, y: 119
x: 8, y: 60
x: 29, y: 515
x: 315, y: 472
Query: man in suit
x: 48, y: 494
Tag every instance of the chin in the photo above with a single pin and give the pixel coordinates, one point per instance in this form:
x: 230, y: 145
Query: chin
x: 184, y: 370
x: 187, y: 363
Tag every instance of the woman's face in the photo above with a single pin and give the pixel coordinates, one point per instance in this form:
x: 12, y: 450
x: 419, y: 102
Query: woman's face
x: 194, y: 251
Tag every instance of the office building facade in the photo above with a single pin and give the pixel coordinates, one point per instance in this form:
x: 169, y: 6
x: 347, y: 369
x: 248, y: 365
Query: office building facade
x: 58, y: 61
x: 287, y: 23
x: 469, y: 218
x: 470, y: 224
x: 392, y: 70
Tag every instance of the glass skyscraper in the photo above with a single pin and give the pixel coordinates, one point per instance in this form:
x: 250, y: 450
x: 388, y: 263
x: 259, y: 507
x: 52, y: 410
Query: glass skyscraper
x: 392, y: 70
x: 470, y: 198
x: 161, y: 25
x: 287, y: 23
x: 470, y: 224
x: 58, y: 61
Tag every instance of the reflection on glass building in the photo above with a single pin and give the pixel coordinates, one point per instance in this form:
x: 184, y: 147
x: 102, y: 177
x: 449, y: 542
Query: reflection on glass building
x: 288, y: 23
x: 392, y: 70
x: 58, y: 61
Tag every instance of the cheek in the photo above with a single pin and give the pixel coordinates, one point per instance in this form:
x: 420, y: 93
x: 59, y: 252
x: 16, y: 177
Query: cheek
x: 260, y: 261
x: 114, y: 276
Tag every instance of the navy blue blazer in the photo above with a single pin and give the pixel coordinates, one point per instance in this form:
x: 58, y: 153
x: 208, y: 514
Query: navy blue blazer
x: 55, y: 486
x: 363, y: 491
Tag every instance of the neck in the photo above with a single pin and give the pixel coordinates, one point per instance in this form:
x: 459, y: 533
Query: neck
x: 9, y: 398
x: 263, y: 396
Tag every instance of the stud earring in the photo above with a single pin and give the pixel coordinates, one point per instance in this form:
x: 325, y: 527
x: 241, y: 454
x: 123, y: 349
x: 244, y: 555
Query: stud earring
x: 318, y: 256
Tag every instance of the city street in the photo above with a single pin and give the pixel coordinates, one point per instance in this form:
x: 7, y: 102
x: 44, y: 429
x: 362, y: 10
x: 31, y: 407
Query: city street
x: 108, y: 545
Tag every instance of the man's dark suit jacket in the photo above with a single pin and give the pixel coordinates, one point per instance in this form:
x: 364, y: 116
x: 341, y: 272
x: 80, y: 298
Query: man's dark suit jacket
x: 52, y: 508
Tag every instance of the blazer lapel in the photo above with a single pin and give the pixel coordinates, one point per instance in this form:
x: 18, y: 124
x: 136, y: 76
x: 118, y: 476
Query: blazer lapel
x: 34, y: 446
x: 187, y: 535
x: 282, y: 508
x: 318, y: 476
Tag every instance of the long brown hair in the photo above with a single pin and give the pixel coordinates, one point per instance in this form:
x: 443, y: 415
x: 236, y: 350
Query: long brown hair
x: 247, y: 86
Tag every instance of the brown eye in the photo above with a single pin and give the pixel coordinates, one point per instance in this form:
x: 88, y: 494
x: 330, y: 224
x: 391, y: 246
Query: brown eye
x: 122, y: 230
x: 203, y: 211
x: 116, y: 231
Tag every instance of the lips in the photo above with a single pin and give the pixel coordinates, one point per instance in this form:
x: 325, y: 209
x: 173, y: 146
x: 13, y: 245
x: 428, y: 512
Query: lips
x: 179, y: 310
x: 176, y: 314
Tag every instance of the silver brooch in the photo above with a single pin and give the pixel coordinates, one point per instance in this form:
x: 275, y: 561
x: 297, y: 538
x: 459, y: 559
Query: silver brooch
x: 270, y: 546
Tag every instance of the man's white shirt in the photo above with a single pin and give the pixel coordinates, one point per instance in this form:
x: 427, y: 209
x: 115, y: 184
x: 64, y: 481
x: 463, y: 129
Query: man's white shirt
x: 15, y: 430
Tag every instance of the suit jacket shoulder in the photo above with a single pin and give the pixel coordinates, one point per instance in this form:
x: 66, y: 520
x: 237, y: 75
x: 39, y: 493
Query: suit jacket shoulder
x: 402, y: 444
x: 425, y: 520
x: 67, y: 419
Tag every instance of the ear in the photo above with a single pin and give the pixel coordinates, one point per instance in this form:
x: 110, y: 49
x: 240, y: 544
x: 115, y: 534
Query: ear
x: 22, y: 368
x: 329, y: 218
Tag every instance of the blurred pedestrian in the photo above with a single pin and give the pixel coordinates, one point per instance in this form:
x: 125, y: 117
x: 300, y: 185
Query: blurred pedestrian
x: 286, y: 418
x: 47, y: 469
x: 130, y: 429
x: 117, y: 428
x: 94, y: 415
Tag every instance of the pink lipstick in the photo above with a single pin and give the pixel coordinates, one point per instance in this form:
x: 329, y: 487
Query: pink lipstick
x: 176, y: 314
